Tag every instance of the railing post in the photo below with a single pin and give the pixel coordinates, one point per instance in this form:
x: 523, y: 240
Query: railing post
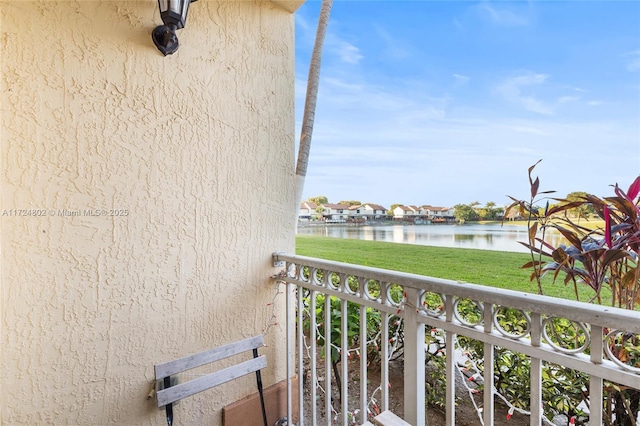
x: 300, y: 354
x: 596, y: 383
x: 536, y: 372
x: 291, y: 346
x: 384, y: 368
x: 363, y: 363
x: 344, y: 362
x: 313, y: 342
x: 450, y: 341
x: 489, y: 365
x: 414, y: 359
x: 328, y: 407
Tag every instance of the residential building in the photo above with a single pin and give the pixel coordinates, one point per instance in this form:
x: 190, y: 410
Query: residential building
x: 367, y: 212
x: 307, y: 211
x: 356, y: 213
x: 374, y: 211
x: 438, y: 214
x: 406, y: 213
x: 335, y: 213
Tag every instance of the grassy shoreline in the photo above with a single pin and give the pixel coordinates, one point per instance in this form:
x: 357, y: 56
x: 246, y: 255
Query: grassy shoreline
x: 486, y: 267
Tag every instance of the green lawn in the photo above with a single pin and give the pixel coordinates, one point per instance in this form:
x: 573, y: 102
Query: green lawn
x: 493, y: 268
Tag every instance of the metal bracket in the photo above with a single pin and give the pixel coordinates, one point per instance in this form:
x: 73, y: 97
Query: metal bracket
x: 160, y: 386
x: 278, y: 263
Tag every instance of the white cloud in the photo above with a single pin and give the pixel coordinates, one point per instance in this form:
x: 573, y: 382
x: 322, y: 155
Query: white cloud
x: 345, y: 85
x: 567, y: 99
x: 305, y: 31
x: 347, y: 52
x: 366, y: 160
x: 334, y: 45
x: 392, y: 46
x: 302, y: 22
x: 502, y: 15
x: 530, y: 130
x: 460, y: 79
x: 634, y: 63
x: 512, y: 89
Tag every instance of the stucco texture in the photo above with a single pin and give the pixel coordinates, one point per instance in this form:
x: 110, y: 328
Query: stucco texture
x: 142, y: 198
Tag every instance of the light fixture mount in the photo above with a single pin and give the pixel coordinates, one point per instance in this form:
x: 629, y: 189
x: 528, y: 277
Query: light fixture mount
x: 174, y: 17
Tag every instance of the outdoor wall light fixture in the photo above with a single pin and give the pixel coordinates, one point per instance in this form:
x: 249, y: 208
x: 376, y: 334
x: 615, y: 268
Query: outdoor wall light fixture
x: 174, y: 16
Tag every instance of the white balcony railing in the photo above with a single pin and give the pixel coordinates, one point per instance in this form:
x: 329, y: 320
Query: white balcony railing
x: 599, y: 329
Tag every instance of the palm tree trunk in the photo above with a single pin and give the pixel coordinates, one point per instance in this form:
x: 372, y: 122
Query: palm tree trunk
x: 310, y: 103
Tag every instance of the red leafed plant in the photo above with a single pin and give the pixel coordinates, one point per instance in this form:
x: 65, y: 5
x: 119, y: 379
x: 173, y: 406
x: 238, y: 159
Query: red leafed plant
x: 603, y: 257
x: 606, y: 257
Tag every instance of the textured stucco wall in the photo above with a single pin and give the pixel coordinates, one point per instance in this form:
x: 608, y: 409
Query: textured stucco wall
x: 196, y: 147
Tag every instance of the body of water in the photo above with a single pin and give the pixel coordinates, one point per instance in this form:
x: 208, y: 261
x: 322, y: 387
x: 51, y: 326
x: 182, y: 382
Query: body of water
x: 478, y: 236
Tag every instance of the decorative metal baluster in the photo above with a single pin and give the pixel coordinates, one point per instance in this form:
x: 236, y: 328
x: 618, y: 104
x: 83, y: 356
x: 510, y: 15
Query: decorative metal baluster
x: 536, y: 372
x: 300, y: 351
x: 327, y: 355
x: 314, y: 361
x: 595, y: 382
x: 291, y: 350
x: 363, y: 361
x: 344, y: 354
x: 450, y: 372
x: 414, y: 354
x: 489, y: 366
x: 384, y: 367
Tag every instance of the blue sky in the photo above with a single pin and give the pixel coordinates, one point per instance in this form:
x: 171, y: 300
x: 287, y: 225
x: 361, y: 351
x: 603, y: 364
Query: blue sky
x: 448, y: 102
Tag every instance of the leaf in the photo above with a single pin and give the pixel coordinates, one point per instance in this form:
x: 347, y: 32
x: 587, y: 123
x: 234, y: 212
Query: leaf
x: 612, y: 255
x: 625, y: 206
x: 531, y: 264
x: 551, y: 266
x: 534, y: 188
x: 623, y: 355
x: 560, y: 256
x: 562, y: 207
x: 533, y: 229
x: 570, y: 236
x: 629, y: 279
x: 544, y: 244
x: 533, y: 167
x: 634, y: 189
x: 535, y: 249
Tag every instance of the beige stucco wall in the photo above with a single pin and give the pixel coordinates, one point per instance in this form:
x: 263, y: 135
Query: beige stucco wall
x: 196, y: 147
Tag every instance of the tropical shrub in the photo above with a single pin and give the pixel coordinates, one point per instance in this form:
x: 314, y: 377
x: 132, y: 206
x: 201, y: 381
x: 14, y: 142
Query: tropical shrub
x: 603, y: 260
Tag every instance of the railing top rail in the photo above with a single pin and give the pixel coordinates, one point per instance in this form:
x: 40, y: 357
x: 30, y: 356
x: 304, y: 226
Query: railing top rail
x: 604, y: 316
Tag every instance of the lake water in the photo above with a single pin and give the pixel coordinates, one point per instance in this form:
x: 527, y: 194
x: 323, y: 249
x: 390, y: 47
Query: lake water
x: 486, y: 237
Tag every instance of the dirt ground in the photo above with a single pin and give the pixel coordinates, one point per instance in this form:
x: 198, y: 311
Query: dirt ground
x: 466, y: 413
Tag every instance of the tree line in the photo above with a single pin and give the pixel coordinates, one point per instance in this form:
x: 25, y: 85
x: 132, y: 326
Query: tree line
x: 473, y: 211
x: 490, y: 211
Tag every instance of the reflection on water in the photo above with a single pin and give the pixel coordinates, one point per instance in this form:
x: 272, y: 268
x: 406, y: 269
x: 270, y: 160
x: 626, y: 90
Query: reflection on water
x: 487, y: 237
